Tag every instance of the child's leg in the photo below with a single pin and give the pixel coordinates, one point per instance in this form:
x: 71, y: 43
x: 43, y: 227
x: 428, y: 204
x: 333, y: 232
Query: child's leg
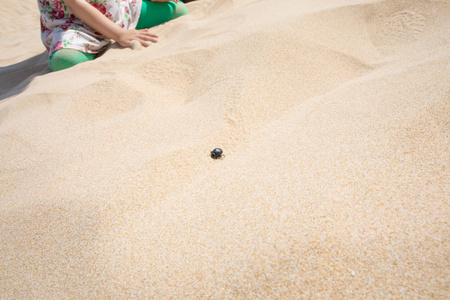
x: 66, y: 58
x: 180, y: 10
x: 155, y: 13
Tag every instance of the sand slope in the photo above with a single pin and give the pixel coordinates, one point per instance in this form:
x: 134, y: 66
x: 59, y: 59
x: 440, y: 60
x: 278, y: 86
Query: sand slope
x: 334, y: 119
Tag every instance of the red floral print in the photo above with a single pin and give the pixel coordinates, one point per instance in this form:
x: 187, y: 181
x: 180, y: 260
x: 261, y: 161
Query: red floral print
x: 58, y: 14
x: 57, y: 5
x: 60, y: 28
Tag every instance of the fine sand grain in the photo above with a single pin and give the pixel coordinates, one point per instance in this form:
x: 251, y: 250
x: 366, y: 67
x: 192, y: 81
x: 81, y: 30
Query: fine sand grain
x: 334, y: 119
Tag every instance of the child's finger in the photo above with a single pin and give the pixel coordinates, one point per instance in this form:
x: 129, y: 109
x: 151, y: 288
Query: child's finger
x: 145, y: 31
x: 145, y: 43
x: 152, y: 35
x: 152, y: 39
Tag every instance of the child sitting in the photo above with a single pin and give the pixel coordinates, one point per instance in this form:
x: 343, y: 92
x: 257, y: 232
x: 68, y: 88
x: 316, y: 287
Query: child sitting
x: 75, y: 31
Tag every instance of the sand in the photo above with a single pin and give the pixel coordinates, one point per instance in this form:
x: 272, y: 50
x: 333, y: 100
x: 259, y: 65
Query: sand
x: 334, y: 120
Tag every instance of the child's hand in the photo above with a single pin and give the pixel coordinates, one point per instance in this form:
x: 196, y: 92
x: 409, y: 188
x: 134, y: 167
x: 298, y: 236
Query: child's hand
x: 142, y: 36
x: 97, y: 21
x: 176, y: 1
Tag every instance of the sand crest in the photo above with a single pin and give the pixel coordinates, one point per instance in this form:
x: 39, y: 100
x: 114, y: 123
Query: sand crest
x: 334, y: 120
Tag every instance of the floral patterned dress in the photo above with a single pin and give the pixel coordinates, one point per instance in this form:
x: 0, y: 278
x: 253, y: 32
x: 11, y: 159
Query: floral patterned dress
x: 61, y: 29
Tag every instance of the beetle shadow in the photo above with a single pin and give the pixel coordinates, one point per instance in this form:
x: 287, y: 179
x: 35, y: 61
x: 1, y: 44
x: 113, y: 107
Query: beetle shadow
x: 15, y: 78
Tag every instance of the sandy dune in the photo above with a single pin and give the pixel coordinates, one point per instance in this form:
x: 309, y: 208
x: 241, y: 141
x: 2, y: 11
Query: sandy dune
x: 334, y: 119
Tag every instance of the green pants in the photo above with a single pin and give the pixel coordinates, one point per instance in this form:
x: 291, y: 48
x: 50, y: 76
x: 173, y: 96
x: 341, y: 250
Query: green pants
x: 152, y: 14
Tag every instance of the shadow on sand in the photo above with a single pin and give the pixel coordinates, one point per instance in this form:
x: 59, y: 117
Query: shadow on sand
x: 15, y: 78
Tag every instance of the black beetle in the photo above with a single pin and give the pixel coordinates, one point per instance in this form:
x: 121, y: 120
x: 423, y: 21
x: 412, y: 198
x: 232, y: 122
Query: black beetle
x: 217, y: 153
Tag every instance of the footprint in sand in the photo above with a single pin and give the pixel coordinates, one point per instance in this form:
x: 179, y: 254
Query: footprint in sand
x: 403, y: 27
x: 168, y: 82
x: 104, y: 100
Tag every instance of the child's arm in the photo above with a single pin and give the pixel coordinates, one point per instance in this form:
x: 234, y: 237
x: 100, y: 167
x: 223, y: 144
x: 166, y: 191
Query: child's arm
x: 97, y: 21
